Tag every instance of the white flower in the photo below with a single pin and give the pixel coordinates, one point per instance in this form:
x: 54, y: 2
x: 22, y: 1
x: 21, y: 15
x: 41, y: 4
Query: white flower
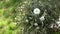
x: 58, y: 25
x: 37, y: 27
x: 59, y: 18
x: 36, y: 11
x: 25, y: 2
x: 58, y: 22
x: 52, y: 25
x: 42, y: 18
x: 15, y: 18
x: 26, y: 20
x: 21, y: 9
x: 36, y: 24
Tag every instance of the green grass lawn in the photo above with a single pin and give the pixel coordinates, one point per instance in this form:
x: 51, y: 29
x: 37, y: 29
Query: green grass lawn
x: 7, y: 25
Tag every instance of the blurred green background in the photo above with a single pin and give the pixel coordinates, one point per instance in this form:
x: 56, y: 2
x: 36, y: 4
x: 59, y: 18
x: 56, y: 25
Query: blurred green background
x: 7, y: 15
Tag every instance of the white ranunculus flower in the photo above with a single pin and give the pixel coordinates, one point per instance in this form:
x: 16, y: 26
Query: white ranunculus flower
x: 36, y: 11
x: 51, y: 26
x: 58, y: 25
x: 15, y: 18
x: 25, y: 2
x: 36, y: 24
x: 37, y: 28
x: 26, y: 20
x: 58, y: 22
x: 42, y: 18
x: 59, y: 18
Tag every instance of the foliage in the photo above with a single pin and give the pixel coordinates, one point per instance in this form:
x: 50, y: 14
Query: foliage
x: 14, y: 15
x: 7, y: 14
